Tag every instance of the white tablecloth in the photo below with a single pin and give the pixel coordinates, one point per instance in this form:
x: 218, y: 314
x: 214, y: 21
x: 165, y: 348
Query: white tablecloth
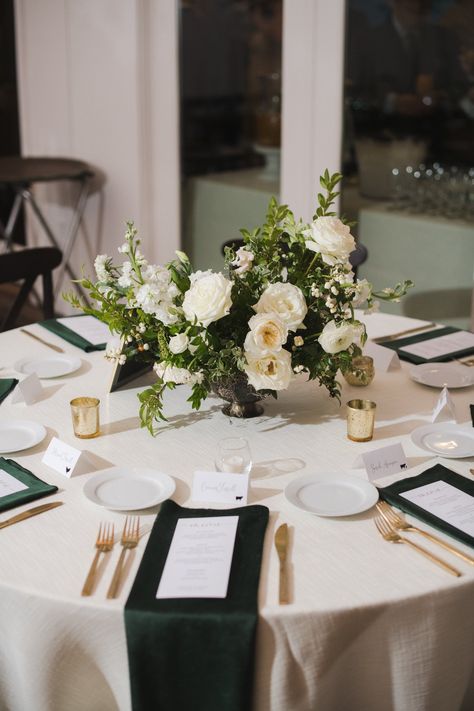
x: 371, y: 625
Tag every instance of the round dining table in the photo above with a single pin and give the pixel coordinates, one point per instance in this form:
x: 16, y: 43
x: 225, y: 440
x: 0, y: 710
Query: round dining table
x: 369, y: 625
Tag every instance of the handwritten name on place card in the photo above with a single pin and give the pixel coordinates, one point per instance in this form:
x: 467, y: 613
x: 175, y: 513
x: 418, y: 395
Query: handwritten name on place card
x: 385, y: 461
x: 65, y: 459
x: 220, y: 487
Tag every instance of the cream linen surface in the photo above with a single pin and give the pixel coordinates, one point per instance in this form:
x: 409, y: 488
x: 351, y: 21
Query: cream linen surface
x: 371, y: 626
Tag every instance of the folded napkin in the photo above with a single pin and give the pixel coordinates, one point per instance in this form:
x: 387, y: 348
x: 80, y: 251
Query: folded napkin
x: 195, y: 653
x: 392, y: 493
x: 6, y: 386
x: 71, y: 336
x: 417, y: 338
x: 37, y: 488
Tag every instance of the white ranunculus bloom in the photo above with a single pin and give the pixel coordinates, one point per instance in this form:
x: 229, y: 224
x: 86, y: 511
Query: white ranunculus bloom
x: 100, y: 266
x: 363, y: 291
x: 208, y: 299
x: 271, y: 371
x: 243, y: 260
x: 179, y: 343
x: 180, y: 376
x: 267, y: 333
x: 287, y: 301
x: 338, y: 337
x: 331, y: 238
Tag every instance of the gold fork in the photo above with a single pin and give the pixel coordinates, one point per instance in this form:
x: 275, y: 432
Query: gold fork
x: 398, y: 522
x: 392, y: 536
x: 104, y: 544
x: 130, y: 538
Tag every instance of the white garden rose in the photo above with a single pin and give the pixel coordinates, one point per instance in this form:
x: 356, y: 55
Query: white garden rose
x: 331, y: 238
x: 269, y: 372
x: 208, y: 299
x: 287, y: 301
x: 338, y: 337
x: 179, y: 343
x: 267, y: 334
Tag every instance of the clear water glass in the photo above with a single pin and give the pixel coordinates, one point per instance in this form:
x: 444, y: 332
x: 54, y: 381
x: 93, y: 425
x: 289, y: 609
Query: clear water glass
x: 233, y: 456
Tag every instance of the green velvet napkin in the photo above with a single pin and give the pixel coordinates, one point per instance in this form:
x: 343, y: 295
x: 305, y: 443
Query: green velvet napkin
x: 417, y: 338
x: 190, y: 654
x: 6, y: 386
x: 70, y: 336
x: 392, y: 493
x: 37, y: 488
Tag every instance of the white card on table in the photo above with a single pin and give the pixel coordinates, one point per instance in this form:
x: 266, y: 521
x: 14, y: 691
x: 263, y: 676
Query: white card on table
x: 65, y: 459
x: 88, y: 327
x: 10, y: 484
x: 28, y: 390
x: 220, y: 488
x: 199, y: 558
x: 444, y: 408
x: 441, y: 346
x: 445, y: 501
x: 384, y: 358
x: 385, y: 461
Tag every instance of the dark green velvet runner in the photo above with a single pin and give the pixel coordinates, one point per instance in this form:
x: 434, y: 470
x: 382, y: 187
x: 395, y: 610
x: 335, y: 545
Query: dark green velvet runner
x: 37, y: 488
x: 195, y: 654
x: 6, y: 386
x: 418, y: 338
x: 392, y: 493
x: 70, y: 336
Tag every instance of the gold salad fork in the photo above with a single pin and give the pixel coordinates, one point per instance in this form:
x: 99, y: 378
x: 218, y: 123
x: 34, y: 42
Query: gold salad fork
x: 104, y: 543
x: 389, y: 534
x: 398, y: 522
x: 130, y: 538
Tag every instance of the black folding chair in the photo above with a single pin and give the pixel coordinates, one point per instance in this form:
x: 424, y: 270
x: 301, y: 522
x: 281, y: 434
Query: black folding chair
x: 26, y: 265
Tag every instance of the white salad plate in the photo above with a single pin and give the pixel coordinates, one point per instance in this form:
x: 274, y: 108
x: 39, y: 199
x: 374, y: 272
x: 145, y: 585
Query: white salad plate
x: 129, y: 488
x: 48, y: 366
x: 445, y: 439
x: 331, y: 494
x: 438, y: 375
x: 17, y: 435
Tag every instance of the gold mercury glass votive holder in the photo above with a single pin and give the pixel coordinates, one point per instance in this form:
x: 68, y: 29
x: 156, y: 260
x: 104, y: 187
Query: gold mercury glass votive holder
x: 361, y: 371
x: 360, y: 420
x: 85, y: 417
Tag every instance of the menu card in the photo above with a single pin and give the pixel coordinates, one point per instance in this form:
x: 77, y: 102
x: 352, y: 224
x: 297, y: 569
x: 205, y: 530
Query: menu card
x: 87, y: 327
x: 442, y: 346
x: 199, y: 558
x: 9, y: 485
x: 447, y: 502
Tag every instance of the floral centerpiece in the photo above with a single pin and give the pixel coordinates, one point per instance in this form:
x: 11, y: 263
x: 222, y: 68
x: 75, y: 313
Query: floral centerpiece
x: 283, y: 305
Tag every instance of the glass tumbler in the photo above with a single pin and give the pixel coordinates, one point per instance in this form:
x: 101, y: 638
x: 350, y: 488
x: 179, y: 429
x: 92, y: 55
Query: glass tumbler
x: 233, y: 455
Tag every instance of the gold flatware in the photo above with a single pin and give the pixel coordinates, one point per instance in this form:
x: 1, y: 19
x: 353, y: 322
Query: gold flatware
x: 104, y: 544
x: 281, y: 544
x: 398, y: 522
x: 30, y: 512
x: 469, y: 362
x: 389, y: 534
x: 130, y: 538
x: 45, y: 343
x: 472, y: 471
x: 400, y: 334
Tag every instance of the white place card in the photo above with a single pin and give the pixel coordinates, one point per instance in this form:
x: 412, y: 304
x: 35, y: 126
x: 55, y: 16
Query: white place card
x: 385, y: 461
x: 10, y: 484
x: 28, y: 390
x: 444, y: 409
x: 88, y: 327
x: 385, y: 359
x: 220, y: 488
x: 199, y: 558
x: 64, y: 459
x: 441, y: 346
x: 447, y: 502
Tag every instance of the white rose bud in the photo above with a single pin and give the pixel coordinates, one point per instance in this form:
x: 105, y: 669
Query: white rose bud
x: 208, y: 299
x: 287, y: 301
x: 178, y: 344
x: 298, y: 341
x: 331, y: 238
x: 337, y: 337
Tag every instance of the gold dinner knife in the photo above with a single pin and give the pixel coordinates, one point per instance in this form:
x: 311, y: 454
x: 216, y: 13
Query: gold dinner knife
x: 30, y: 512
x: 45, y: 343
x: 281, y: 544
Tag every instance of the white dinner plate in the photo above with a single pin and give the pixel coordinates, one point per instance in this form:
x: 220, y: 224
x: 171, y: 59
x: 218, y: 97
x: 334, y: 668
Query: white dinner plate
x: 331, y: 494
x: 17, y: 435
x: 48, y: 366
x: 445, y: 439
x: 437, y: 375
x: 129, y: 488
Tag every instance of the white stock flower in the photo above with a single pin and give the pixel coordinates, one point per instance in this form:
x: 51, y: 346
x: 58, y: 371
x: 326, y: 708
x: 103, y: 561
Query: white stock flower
x: 180, y: 376
x: 125, y: 279
x: 338, y: 337
x: 179, y: 343
x: 363, y: 289
x: 271, y: 371
x: 267, y: 334
x: 156, y: 299
x: 331, y: 238
x: 287, y: 301
x: 243, y: 260
x: 100, y: 266
x: 208, y: 299
x: 373, y: 308
x: 124, y: 249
